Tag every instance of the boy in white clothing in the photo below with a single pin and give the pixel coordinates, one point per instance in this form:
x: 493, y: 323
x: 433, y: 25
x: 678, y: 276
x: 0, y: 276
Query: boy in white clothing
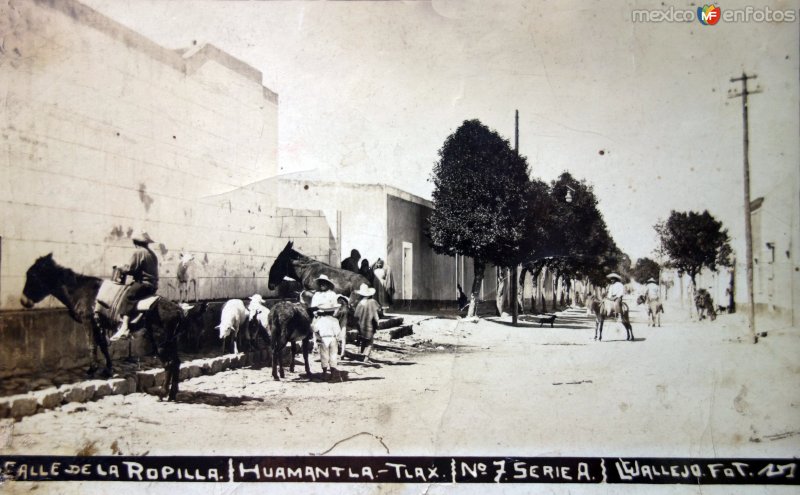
x: 326, y: 328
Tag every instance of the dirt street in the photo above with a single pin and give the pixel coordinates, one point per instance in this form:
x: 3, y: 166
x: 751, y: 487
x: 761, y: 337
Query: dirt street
x: 687, y: 389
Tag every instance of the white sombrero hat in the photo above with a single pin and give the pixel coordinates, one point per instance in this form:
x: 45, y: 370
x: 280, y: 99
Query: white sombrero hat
x: 324, y: 278
x: 365, y: 291
x: 614, y: 276
x: 651, y: 279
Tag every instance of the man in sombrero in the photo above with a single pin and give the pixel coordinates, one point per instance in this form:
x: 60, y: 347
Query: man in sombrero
x: 367, y: 314
x: 653, y: 291
x: 326, y: 327
x: 143, y: 268
x: 615, y: 292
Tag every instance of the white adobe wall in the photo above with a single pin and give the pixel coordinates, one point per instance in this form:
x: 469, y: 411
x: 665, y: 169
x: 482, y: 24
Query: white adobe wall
x: 103, y: 132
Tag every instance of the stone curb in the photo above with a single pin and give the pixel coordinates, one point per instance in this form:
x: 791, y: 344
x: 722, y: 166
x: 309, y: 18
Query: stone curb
x: 21, y: 405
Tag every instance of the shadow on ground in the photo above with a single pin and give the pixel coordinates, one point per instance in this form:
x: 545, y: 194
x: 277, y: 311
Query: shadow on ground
x: 213, y: 399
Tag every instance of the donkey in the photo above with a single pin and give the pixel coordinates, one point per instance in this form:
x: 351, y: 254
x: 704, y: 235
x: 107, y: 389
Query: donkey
x: 705, y: 305
x: 293, y: 264
x: 288, y: 323
x: 601, y: 310
x: 161, y: 320
x: 654, y: 310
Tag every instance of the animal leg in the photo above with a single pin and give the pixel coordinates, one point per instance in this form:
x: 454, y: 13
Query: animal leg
x: 173, y: 377
x: 275, y: 358
x: 279, y: 357
x: 305, y: 356
x: 294, y: 353
x: 100, y: 340
x: 90, y: 371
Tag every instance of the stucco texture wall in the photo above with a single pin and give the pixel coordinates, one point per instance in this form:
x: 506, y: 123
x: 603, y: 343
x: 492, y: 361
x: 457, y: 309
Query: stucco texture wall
x: 104, y: 133
x: 358, y: 209
x: 434, y: 275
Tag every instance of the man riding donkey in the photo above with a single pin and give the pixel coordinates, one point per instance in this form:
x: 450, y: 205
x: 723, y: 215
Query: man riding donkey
x: 652, y: 291
x: 614, y: 295
x: 326, y: 326
x: 143, y: 267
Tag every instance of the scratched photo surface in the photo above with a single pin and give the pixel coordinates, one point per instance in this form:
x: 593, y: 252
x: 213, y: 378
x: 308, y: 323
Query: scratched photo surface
x: 253, y: 141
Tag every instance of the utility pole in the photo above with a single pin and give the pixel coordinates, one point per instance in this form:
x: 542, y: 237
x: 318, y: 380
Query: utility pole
x: 751, y: 317
x: 513, y: 280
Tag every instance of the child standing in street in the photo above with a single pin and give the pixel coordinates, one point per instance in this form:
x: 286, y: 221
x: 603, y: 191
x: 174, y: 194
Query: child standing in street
x: 367, y: 317
x: 326, y: 327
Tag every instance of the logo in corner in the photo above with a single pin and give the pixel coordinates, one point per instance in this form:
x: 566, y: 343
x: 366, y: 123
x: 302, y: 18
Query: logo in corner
x: 709, y: 14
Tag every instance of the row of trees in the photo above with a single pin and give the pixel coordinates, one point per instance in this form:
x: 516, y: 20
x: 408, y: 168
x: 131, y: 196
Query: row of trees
x: 487, y: 207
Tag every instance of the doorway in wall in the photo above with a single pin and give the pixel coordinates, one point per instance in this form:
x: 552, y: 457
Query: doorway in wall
x: 408, y: 268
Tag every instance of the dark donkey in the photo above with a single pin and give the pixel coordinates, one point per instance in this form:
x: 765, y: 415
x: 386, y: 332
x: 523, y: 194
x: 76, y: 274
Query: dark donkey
x: 78, y: 293
x: 288, y: 323
x: 291, y: 263
x: 601, y: 310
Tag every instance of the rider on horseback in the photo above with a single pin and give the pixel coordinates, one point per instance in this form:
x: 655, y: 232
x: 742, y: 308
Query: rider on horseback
x: 653, y: 291
x: 143, y: 267
x: 615, y: 292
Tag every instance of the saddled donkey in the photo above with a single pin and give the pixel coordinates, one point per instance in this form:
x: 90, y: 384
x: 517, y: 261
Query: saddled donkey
x: 602, y: 309
x: 654, y: 310
x: 162, y: 320
x: 293, y: 264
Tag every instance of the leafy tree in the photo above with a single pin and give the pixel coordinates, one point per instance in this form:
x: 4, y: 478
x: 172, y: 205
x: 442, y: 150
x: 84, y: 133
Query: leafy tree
x: 645, y: 269
x: 479, y: 199
x: 582, y: 240
x: 692, y: 241
x: 569, y: 237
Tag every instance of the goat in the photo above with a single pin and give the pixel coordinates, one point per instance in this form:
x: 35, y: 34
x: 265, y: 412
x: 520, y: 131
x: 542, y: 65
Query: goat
x: 234, y: 316
x: 185, y: 278
x: 258, y: 318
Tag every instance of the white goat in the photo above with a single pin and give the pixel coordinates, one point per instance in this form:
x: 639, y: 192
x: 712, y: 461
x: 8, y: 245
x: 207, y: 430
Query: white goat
x: 234, y: 317
x: 259, y: 313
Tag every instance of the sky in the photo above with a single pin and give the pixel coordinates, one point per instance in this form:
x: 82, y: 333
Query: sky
x: 640, y: 110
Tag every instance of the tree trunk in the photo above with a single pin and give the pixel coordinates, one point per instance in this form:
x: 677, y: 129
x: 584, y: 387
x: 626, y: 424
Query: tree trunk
x: 536, y: 292
x: 555, y: 290
x: 512, y: 295
x: 521, y: 292
x: 477, y: 267
x: 692, y: 295
x: 502, y: 289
